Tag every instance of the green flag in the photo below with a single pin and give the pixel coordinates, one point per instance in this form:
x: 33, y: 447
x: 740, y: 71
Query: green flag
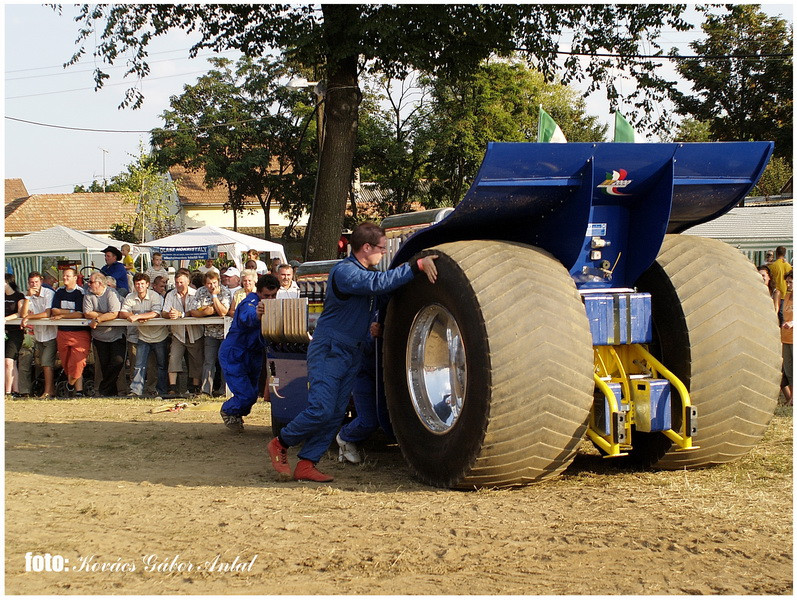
x: 623, y: 132
x: 548, y: 130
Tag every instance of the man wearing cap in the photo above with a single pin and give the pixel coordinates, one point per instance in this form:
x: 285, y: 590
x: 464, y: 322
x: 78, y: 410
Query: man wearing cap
x: 233, y: 279
x: 116, y: 269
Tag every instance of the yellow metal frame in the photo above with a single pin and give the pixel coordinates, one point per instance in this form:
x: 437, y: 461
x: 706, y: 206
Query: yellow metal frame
x: 618, y: 364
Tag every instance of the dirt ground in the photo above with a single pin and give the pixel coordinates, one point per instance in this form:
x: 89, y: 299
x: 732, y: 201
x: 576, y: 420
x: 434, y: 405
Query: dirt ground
x: 173, y: 503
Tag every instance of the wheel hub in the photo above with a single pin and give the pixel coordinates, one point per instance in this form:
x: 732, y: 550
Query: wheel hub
x: 436, y: 371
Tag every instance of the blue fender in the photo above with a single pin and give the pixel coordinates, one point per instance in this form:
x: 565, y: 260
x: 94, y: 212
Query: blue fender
x: 560, y: 196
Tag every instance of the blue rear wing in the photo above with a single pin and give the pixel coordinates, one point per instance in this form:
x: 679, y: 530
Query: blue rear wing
x: 602, y: 209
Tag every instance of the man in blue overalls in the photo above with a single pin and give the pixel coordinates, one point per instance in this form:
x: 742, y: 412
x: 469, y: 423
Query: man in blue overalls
x: 241, y: 354
x: 333, y: 357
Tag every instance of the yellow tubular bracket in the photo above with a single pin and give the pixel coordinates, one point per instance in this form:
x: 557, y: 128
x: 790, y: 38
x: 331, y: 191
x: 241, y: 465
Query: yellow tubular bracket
x: 621, y: 372
x: 684, y: 442
x: 609, y: 447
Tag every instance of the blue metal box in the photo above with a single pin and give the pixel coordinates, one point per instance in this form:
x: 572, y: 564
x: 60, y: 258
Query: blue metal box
x: 291, y: 371
x: 652, y: 404
x: 619, y: 318
x: 602, y: 413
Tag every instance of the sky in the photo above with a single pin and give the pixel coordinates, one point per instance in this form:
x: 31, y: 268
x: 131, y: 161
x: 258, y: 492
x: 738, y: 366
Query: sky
x: 37, y: 88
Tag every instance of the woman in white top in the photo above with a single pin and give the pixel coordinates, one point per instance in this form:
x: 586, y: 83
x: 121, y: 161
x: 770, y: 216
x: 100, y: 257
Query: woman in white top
x: 248, y: 283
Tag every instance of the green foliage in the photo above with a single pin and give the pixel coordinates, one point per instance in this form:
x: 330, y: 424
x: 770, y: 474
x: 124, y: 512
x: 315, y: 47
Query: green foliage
x: 240, y: 126
x: 96, y: 187
x: 124, y: 233
x: 393, y: 141
x: 500, y: 102
x: 742, y: 98
x: 148, y: 194
x: 394, y: 39
x: 692, y: 130
x: 775, y: 176
x: 423, y: 139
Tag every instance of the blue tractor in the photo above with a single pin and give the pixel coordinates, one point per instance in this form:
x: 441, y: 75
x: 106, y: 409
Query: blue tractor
x: 568, y: 304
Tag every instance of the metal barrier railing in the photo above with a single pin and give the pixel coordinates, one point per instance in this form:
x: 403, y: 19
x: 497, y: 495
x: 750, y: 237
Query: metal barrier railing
x: 124, y: 322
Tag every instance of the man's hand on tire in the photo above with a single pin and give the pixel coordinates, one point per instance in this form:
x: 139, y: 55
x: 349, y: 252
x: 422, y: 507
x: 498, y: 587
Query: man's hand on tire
x: 426, y: 264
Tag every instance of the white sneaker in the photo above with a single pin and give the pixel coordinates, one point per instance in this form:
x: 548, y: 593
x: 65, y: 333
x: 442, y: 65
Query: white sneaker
x: 348, y: 451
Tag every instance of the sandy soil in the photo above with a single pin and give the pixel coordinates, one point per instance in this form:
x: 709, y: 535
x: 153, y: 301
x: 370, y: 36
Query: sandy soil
x: 107, y: 486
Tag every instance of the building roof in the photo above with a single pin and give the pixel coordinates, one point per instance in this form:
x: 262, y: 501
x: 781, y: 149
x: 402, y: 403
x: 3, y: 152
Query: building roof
x: 192, y: 191
x: 95, y: 212
x: 15, y: 189
x: 748, y: 226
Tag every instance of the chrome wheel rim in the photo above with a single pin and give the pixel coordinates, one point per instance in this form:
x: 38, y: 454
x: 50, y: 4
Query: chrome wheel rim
x: 436, y: 369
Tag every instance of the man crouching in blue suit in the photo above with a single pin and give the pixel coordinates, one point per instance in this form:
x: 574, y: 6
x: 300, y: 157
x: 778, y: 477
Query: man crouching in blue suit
x: 334, y: 354
x: 241, y: 353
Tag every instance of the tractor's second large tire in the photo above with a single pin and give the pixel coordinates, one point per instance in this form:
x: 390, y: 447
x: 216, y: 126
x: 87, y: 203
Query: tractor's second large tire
x: 488, y: 372
x: 715, y: 328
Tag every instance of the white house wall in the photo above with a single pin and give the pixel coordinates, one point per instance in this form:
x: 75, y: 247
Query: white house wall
x: 197, y: 217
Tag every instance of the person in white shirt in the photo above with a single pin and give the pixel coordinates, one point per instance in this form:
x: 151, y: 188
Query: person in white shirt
x: 208, y: 266
x: 140, y: 306
x: 212, y: 299
x: 248, y: 283
x: 185, y: 338
x: 233, y: 282
x: 157, y: 268
x: 37, y: 305
x: 288, y: 287
x: 260, y: 267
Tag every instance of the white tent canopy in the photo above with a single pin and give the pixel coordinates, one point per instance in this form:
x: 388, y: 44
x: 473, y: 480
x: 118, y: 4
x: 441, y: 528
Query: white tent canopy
x: 24, y: 254
x: 231, y: 242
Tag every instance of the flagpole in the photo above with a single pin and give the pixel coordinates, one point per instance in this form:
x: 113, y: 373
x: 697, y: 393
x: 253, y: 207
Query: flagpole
x: 539, y: 124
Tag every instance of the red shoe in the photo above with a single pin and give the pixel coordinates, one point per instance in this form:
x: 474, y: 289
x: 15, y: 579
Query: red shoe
x: 306, y: 471
x: 279, y: 458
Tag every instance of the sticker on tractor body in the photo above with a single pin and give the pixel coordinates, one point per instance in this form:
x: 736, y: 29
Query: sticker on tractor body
x: 615, y: 181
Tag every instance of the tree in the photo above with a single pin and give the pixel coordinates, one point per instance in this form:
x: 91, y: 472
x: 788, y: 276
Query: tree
x: 145, y: 189
x: 774, y: 177
x: 124, y: 233
x: 393, y: 140
x: 692, y: 130
x: 747, y: 98
x: 96, y: 187
x: 499, y: 102
x: 391, y: 39
x: 237, y: 124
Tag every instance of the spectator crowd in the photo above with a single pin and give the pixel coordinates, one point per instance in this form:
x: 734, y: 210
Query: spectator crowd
x: 138, y: 360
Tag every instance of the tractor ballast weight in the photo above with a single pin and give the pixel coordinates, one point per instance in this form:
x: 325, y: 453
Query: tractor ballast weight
x: 567, y: 305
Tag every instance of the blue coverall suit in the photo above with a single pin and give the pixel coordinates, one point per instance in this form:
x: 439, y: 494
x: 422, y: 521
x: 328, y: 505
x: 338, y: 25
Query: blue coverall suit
x: 369, y: 396
x: 334, y: 354
x: 241, y: 357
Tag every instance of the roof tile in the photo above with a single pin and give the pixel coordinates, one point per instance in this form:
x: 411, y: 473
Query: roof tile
x: 15, y: 189
x: 92, y: 212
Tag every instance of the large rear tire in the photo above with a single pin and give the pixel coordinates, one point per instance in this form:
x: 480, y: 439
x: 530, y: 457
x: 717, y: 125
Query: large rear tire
x: 488, y: 372
x: 716, y: 330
